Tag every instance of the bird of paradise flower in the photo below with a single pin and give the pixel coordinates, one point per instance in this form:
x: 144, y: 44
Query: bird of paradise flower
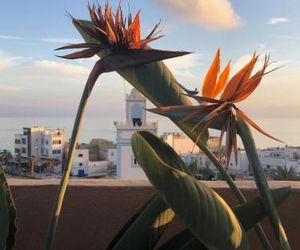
x: 218, y: 101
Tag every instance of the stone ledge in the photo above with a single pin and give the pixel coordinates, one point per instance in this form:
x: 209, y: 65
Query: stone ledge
x: 140, y: 183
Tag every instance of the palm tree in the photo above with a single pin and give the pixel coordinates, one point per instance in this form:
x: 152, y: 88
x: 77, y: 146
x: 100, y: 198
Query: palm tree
x: 5, y: 155
x: 284, y: 173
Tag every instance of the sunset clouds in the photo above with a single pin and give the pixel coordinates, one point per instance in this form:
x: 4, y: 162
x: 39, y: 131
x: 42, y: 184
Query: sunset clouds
x: 211, y: 14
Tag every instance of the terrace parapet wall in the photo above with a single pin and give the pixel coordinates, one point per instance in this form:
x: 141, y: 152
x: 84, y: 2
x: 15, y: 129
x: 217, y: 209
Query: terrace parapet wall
x: 95, y: 210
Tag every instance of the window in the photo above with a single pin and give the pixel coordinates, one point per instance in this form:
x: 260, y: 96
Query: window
x: 17, y: 150
x: 17, y: 141
x: 23, y: 141
x: 135, y: 163
x: 56, y: 151
x: 112, y: 154
x: 137, y: 122
x: 24, y: 150
x: 80, y: 164
x: 56, y: 142
x: 80, y: 155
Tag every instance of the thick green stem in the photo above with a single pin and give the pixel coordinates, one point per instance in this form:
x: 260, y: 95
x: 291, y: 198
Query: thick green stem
x: 261, y: 183
x: 236, y: 191
x: 97, y: 70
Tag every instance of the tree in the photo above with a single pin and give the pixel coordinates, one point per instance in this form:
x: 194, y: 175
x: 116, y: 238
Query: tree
x: 5, y: 155
x: 284, y: 173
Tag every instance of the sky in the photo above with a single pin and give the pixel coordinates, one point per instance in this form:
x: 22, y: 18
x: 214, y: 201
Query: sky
x: 34, y: 82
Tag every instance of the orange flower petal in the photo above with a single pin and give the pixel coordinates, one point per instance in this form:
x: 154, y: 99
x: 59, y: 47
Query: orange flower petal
x: 223, y: 78
x: 210, y: 79
x: 135, y: 27
x: 238, y: 80
x: 111, y: 36
x: 253, y: 82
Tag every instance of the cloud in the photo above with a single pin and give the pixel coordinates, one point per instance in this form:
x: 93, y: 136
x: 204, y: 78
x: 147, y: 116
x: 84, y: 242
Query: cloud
x: 10, y: 88
x: 277, y: 20
x: 212, y: 14
x: 43, y: 39
x: 5, y: 37
x: 7, y: 61
x: 60, y: 40
x: 182, y: 66
x: 68, y: 70
x: 16, y: 69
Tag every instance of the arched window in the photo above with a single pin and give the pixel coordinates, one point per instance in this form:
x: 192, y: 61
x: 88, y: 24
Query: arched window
x: 137, y: 115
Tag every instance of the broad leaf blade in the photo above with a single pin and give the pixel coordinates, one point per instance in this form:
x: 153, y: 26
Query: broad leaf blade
x: 184, y: 240
x: 253, y: 211
x: 144, y: 230
x: 7, y: 214
x: 211, y: 221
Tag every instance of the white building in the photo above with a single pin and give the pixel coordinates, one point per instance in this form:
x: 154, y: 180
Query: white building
x: 41, y: 143
x: 180, y: 143
x: 111, y: 156
x: 80, y: 163
x: 271, y: 158
x: 83, y: 167
x: 127, y: 167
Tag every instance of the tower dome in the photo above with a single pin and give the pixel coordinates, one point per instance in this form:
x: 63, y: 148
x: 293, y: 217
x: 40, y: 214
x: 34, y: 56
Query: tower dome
x: 136, y: 95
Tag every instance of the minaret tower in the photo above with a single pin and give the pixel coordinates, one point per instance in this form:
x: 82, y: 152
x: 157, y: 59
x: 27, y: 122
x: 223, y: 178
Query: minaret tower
x: 127, y: 167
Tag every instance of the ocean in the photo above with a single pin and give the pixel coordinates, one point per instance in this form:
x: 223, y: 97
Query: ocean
x: 285, y: 129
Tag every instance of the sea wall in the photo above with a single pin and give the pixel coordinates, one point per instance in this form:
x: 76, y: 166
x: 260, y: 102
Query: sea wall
x: 95, y: 210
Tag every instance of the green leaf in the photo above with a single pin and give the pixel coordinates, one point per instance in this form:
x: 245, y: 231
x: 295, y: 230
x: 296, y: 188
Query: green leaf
x: 144, y: 229
x: 253, y: 211
x: 249, y: 215
x: 7, y: 214
x: 184, y: 240
x: 201, y: 209
x: 262, y: 183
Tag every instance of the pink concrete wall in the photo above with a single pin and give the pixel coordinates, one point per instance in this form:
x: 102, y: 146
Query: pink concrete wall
x: 93, y: 213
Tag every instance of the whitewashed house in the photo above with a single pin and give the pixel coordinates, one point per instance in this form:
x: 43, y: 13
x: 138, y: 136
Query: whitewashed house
x: 127, y: 166
x: 271, y: 158
x: 83, y: 167
x: 112, y: 156
x: 80, y: 164
x: 41, y: 143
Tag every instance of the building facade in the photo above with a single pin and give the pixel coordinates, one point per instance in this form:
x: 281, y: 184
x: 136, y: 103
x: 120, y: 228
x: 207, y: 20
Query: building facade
x: 83, y: 167
x: 127, y: 166
x: 41, y: 143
